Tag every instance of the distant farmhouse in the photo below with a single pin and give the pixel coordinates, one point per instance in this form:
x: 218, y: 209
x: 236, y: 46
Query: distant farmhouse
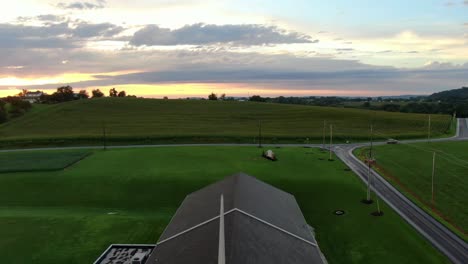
x: 234, y: 221
x: 33, y: 97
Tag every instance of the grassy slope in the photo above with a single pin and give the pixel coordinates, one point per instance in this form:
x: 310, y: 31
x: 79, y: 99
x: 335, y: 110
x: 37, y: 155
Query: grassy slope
x: 205, y: 121
x: 36, y: 161
x: 409, y: 168
x: 63, y: 217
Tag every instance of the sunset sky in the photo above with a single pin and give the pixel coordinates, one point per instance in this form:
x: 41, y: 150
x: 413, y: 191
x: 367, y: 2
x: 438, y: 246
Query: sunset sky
x: 183, y: 48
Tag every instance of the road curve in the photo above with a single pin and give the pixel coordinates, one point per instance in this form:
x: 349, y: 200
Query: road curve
x: 441, y: 237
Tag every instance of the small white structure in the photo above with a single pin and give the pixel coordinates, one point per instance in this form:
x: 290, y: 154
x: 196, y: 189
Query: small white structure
x: 269, y: 154
x: 33, y: 97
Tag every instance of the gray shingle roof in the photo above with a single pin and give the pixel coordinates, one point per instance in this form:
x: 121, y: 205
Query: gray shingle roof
x: 262, y: 225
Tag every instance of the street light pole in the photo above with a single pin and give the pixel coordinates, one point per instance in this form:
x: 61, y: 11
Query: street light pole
x: 429, y: 130
x: 433, y: 174
x: 331, y: 142
x: 104, y: 135
x: 259, y: 133
x: 323, y: 134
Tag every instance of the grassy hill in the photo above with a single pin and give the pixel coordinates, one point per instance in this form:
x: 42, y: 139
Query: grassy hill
x: 409, y: 168
x: 129, y: 196
x: 131, y: 120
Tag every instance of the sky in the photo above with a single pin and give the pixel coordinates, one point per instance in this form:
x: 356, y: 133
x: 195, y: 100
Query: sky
x: 188, y: 48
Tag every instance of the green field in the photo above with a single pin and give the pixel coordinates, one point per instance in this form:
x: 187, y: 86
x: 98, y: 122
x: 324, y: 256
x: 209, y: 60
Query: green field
x: 129, y: 196
x: 131, y: 120
x: 37, y: 161
x: 409, y: 168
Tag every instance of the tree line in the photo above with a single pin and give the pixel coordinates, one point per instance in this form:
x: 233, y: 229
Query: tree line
x: 15, y: 106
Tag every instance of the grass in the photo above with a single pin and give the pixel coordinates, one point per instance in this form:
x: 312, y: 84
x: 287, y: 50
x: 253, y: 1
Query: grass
x: 131, y: 120
x: 36, y: 161
x: 129, y: 196
x: 409, y: 168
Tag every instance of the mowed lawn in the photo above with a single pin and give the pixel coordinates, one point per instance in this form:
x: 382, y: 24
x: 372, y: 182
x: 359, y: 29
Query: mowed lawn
x: 130, y: 195
x: 409, y: 168
x: 165, y: 121
x: 37, y: 161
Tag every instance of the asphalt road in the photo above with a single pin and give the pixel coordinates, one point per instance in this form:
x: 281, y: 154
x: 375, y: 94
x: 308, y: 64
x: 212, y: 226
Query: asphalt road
x: 441, y: 237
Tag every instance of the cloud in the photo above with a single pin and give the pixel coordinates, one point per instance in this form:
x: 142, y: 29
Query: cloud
x: 465, y: 2
x: 87, y: 30
x: 198, y: 34
x: 272, y: 71
x: 82, y: 5
x: 54, y: 35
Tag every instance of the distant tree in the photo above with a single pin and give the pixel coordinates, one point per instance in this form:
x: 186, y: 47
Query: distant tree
x: 17, y: 106
x: 83, y: 94
x: 222, y: 97
x: 391, y: 107
x: 113, y: 92
x: 212, y: 97
x: 366, y: 104
x: 165, y: 98
x: 23, y: 92
x: 3, y: 115
x: 122, y: 94
x: 97, y: 93
x: 63, y: 94
x: 257, y: 98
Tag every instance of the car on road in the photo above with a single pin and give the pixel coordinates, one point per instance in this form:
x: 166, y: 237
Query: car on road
x: 392, y: 141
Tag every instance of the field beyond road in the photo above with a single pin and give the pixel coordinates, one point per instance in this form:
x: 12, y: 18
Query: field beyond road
x: 151, y: 121
x: 130, y: 195
x: 409, y: 168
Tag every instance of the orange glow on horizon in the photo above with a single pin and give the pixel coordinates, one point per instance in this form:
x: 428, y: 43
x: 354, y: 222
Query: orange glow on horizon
x: 183, y: 90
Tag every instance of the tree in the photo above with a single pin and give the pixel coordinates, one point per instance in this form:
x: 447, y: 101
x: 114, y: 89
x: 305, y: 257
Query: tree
x: 23, y: 92
x: 222, y: 97
x: 83, y: 94
x: 122, y: 94
x: 97, y: 93
x: 257, y: 98
x: 165, y: 98
x: 3, y: 116
x: 63, y: 94
x: 113, y: 92
x: 212, y: 97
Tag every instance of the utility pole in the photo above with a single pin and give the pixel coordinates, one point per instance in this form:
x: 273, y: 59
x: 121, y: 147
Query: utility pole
x: 368, y: 198
x: 331, y: 142
x: 432, y: 181
x: 378, y: 205
x: 259, y: 133
x: 371, y: 141
x: 429, y: 130
x: 323, y: 134
x: 104, y: 136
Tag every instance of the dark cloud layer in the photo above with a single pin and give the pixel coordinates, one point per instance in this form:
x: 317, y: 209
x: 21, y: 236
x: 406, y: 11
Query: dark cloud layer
x: 198, y: 34
x: 53, y: 35
x: 82, y: 5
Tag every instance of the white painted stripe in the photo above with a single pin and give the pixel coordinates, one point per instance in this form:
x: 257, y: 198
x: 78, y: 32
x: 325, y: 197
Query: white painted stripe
x: 221, y: 249
x: 278, y: 228
x: 247, y: 214
x: 194, y: 227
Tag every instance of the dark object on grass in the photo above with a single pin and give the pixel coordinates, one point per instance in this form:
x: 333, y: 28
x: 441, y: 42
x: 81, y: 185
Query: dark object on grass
x: 331, y: 160
x: 269, y: 154
x: 321, y: 158
x: 365, y: 201
x: 347, y: 169
x: 377, y: 213
x: 339, y: 212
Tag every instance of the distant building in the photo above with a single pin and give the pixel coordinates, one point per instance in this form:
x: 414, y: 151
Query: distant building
x: 235, y: 221
x: 33, y: 97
